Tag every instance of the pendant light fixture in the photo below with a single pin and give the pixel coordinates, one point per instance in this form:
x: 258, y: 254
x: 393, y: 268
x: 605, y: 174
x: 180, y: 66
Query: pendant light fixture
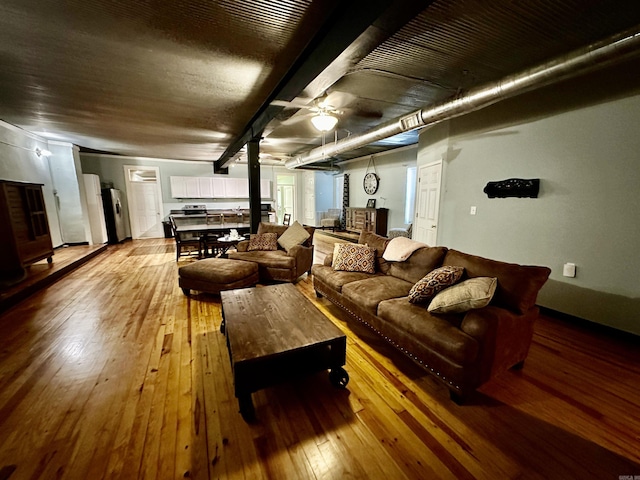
x: 324, y: 121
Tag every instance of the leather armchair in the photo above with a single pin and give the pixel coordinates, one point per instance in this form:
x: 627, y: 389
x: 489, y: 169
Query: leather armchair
x: 278, y: 265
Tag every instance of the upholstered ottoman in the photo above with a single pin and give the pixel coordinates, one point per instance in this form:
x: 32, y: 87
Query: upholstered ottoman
x: 213, y: 275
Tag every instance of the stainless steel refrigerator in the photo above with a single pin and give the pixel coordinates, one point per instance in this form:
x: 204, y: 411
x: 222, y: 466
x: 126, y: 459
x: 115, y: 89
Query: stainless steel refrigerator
x: 113, y: 214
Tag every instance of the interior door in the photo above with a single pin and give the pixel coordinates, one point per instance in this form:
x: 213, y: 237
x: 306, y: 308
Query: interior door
x: 285, y: 196
x: 428, y: 203
x: 145, y: 201
x: 309, y: 198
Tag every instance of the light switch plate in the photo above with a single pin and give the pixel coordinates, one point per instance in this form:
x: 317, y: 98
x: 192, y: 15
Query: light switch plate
x: 569, y: 270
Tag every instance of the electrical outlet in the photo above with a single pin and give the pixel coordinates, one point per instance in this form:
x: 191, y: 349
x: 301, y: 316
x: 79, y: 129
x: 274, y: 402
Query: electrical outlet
x: 473, y: 210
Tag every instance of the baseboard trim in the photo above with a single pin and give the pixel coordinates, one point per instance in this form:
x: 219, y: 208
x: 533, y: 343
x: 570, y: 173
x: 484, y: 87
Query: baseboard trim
x: 591, y: 326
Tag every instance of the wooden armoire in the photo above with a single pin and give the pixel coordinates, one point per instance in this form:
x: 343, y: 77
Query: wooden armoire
x: 25, y: 237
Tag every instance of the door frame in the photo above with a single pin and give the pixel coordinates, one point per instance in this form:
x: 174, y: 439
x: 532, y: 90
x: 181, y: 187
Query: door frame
x: 131, y: 201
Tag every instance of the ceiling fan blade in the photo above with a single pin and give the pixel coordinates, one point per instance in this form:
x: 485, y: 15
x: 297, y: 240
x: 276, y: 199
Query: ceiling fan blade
x: 297, y: 102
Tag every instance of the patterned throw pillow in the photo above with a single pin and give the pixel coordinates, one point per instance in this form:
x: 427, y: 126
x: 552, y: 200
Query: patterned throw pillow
x: 472, y: 293
x: 352, y: 257
x: 433, y: 282
x: 263, y: 241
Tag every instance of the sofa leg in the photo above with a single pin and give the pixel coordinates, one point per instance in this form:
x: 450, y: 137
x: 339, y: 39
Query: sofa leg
x: 518, y: 366
x: 457, y: 397
x: 318, y: 294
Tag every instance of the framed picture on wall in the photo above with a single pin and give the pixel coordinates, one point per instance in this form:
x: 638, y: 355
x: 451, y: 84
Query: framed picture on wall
x: 371, y: 203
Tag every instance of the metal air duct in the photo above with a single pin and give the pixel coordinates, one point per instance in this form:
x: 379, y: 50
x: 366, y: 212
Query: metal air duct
x: 597, y: 55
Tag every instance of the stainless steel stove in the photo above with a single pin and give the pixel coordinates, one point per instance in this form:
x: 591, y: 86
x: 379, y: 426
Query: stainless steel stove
x: 194, y: 209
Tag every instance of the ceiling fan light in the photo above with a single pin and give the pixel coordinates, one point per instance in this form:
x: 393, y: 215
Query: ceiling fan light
x: 324, y: 122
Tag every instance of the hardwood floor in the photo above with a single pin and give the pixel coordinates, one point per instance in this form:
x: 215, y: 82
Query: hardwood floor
x: 112, y: 372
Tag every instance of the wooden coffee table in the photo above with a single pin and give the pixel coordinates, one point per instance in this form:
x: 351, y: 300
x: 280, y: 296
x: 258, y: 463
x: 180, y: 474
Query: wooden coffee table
x: 274, y: 334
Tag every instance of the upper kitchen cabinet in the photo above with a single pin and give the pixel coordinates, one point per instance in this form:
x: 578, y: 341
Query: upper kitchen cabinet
x: 215, y: 187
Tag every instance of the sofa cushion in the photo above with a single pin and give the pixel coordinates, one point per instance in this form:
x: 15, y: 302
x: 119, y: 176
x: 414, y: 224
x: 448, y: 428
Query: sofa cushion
x: 439, y: 333
x: 273, y: 259
x: 352, y: 257
x: 518, y: 285
x: 438, y: 279
x: 421, y: 262
x: 370, y: 292
x: 263, y: 241
x: 336, y: 279
x: 294, y: 235
x: 469, y: 294
x: 380, y: 244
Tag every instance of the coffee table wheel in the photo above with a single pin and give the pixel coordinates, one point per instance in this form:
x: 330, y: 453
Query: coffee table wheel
x: 339, y: 377
x: 246, y: 408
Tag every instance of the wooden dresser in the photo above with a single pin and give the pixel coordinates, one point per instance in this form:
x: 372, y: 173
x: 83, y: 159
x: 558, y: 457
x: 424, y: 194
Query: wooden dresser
x: 367, y: 219
x: 25, y: 235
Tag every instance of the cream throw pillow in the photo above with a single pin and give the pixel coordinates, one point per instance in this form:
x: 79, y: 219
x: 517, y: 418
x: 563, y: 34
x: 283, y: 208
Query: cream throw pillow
x: 472, y: 293
x: 292, y: 236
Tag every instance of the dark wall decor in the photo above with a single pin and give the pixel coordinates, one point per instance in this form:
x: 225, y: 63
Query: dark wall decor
x: 513, y: 187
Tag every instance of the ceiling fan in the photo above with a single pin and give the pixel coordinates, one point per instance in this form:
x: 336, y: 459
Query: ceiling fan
x: 323, y: 111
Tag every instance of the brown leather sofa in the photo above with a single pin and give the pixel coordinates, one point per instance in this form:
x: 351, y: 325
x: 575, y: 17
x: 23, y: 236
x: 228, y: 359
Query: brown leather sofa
x: 278, y: 264
x: 462, y: 350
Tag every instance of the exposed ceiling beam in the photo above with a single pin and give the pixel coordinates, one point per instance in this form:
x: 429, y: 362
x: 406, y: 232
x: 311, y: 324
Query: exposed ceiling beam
x: 348, y: 21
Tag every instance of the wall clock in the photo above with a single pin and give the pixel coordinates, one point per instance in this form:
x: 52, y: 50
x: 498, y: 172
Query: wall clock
x: 371, y: 183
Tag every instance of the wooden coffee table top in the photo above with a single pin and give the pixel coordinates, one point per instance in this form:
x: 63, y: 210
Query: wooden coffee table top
x: 267, y: 321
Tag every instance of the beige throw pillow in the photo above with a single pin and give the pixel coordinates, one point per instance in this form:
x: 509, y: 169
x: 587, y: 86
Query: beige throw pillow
x: 292, y: 236
x: 472, y: 293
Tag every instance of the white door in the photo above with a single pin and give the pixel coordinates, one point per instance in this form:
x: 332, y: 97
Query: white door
x: 428, y: 203
x: 285, y: 196
x: 145, y: 201
x: 309, y: 198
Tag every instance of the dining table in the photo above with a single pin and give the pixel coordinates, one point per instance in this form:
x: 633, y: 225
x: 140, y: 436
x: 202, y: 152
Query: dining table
x: 215, y: 239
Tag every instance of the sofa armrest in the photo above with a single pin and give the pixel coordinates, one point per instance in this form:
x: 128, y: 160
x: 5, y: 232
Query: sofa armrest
x: 504, y: 336
x: 242, y: 246
x: 303, y: 256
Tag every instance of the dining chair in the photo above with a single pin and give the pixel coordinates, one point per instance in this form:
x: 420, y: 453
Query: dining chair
x: 214, y: 219
x: 186, y: 243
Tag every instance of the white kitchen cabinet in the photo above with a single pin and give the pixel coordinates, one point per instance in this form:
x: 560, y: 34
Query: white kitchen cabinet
x: 265, y: 188
x: 205, y: 187
x: 219, y: 187
x: 237, y: 188
x: 215, y: 187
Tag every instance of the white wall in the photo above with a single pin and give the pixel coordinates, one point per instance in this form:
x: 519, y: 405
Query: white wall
x: 19, y: 162
x: 581, y: 140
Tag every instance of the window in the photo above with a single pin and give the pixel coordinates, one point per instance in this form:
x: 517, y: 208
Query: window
x: 410, y: 199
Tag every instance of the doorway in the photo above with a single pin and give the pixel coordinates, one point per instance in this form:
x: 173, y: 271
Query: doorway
x: 145, y: 201
x: 285, y: 196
